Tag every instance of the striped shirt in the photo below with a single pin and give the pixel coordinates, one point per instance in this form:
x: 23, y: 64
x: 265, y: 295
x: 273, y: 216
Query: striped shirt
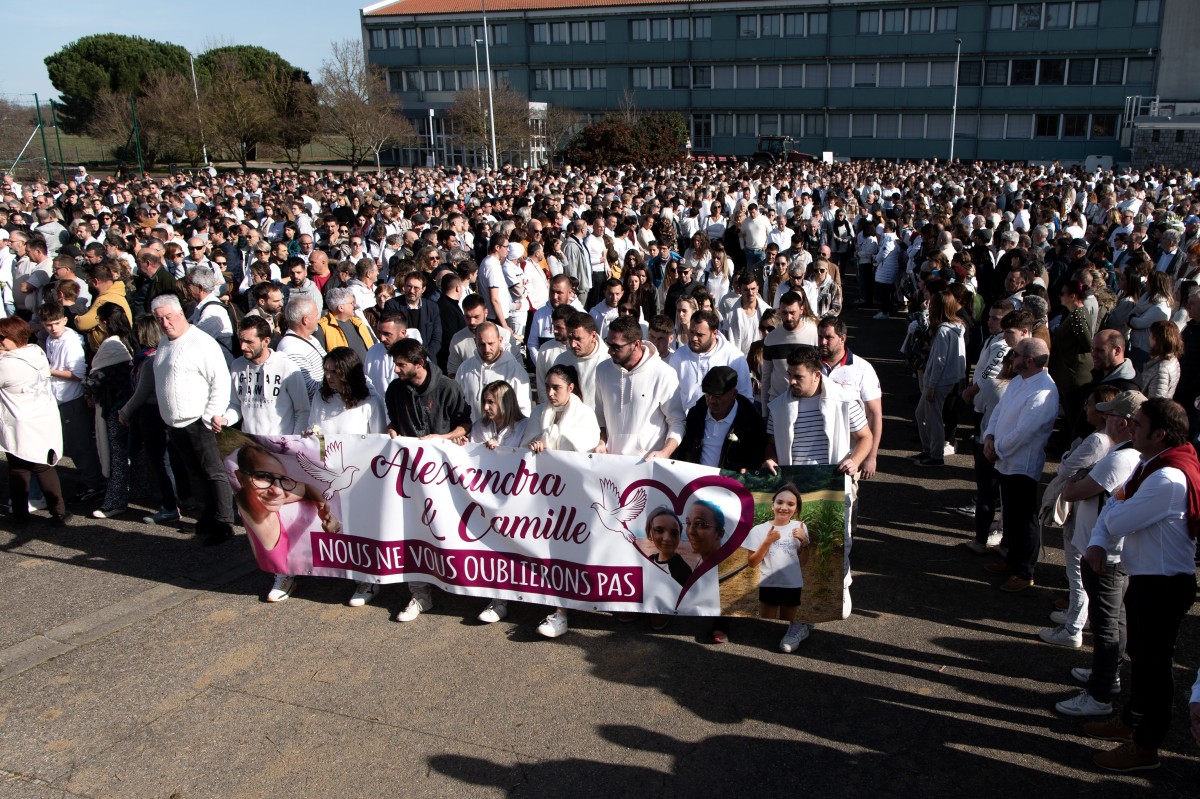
x: 810, y: 445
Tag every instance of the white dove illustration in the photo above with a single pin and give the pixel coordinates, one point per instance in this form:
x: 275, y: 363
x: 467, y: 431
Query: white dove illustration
x: 336, y: 480
x: 614, y: 515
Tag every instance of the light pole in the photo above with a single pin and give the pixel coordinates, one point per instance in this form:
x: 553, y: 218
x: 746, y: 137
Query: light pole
x: 475, y: 46
x: 199, y: 118
x: 954, y: 107
x: 487, y: 55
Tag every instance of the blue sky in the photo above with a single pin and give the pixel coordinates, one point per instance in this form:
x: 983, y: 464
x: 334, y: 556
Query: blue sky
x: 299, y: 30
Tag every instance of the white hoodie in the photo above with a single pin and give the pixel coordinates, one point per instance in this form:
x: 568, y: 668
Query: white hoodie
x: 639, y: 408
x: 691, y: 367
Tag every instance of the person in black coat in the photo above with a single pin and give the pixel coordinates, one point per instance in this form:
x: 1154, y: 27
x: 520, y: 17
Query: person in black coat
x: 421, y: 313
x: 451, y: 312
x: 744, y: 441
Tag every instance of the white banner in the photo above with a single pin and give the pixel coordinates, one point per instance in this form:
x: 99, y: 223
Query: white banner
x: 556, y: 528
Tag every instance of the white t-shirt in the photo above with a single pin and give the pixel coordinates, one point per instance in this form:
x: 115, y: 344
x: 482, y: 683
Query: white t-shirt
x: 781, y: 566
x: 1110, y: 473
x: 334, y: 418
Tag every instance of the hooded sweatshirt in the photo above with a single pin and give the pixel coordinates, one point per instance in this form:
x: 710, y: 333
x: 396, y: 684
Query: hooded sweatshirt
x: 639, y: 407
x: 435, y: 408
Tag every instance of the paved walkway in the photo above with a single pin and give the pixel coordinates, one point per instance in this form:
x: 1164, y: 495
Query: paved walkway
x: 134, y: 663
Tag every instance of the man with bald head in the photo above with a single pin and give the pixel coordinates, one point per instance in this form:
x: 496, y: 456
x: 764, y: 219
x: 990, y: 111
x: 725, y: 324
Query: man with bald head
x: 492, y: 361
x: 1015, y: 442
x: 1109, y: 362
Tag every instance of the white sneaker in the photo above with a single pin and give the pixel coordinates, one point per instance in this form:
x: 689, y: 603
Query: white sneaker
x: 553, y: 625
x: 977, y: 548
x: 37, y: 504
x: 1085, y: 676
x: 1060, y: 617
x: 881, y: 316
x: 364, y: 594
x: 1060, y: 637
x: 282, y: 588
x: 421, y: 602
x: 496, y: 610
x: 1084, y: 705
x: 797, y: 631
x: 948, y: 450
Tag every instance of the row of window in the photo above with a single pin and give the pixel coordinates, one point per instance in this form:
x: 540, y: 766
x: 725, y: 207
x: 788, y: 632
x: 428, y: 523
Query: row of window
x: 662, y: 29
x: 443, y: 80
x: 885, y: 75
x: 569, y: 32
x: 1057, y: 71
x: 573, y: 78
x: 1010, y: 16
x: 442, y: 36
x: 767, y: 26
x: 1058, y: 16
x: 913, y: 20
x: 1072, y: 126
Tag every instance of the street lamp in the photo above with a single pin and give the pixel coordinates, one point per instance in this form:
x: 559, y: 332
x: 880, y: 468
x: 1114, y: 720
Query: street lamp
x: 199, y: 118
x: 954, y: 107
x: 487, y: 55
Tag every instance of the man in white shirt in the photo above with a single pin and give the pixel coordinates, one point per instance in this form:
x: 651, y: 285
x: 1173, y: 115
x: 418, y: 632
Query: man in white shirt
x: 1086, y: 492
x: 637, y: 397
x: 754, y: 237
x: 269, y: 393
x: 855, y: 375
x: 1155, y: 517
x: 379, y: 366
x: 584, y: 352
x: 492, y: 285
x: 492, y: 361
x: 706, y: 348
x: 191, y: 383
x: 1015, y: 441
x: 606, y: 311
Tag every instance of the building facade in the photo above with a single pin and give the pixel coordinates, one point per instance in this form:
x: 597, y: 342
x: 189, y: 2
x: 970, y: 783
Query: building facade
x: 1035, y: 80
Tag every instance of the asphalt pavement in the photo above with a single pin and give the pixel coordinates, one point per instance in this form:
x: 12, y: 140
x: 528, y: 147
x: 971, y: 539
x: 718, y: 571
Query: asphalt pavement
x: 134, y: 662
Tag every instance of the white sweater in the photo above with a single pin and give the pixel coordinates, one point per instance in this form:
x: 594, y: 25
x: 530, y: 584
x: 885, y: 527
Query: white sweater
x: 691, y: 367
x: 191, y: 378
x: 473, y: 375
x: 270, y: 398
x: 639, y: 409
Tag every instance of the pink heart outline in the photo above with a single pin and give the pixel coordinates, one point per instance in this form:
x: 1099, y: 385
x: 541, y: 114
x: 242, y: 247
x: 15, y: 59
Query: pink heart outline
x: 732, y: 541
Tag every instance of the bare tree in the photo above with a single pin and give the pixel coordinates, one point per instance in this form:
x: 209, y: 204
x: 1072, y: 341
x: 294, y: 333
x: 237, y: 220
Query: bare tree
x: 359, y: 116
x: 295, y: 103
x: 236, y: 115
x: 561, y: 125
x: 167, y: 113
x: 468, y: 117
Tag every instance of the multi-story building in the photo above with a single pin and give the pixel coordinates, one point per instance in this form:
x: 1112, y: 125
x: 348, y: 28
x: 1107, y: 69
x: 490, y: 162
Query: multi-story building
x: 1012, y: 80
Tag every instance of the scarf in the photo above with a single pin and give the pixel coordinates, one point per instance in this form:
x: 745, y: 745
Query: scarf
x: 1183, y: 458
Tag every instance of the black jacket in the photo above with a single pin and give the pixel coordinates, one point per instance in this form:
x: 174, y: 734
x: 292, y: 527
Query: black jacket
x: 425, y: 318
x: 744, y: 450
x: 452, y: 322
x: 434, y: 408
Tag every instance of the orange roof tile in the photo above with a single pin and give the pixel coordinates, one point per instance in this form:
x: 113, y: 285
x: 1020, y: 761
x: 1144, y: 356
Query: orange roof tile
x: 420, y: 7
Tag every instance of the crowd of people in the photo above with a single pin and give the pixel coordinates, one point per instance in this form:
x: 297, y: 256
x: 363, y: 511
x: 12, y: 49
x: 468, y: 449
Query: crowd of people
x: 693, y: 313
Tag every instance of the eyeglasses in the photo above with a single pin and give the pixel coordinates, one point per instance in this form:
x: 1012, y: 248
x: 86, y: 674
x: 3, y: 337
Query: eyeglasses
x: 195, y: 249
x: 698, y: 524
x: 615, y: 346
x: 264, y: 480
